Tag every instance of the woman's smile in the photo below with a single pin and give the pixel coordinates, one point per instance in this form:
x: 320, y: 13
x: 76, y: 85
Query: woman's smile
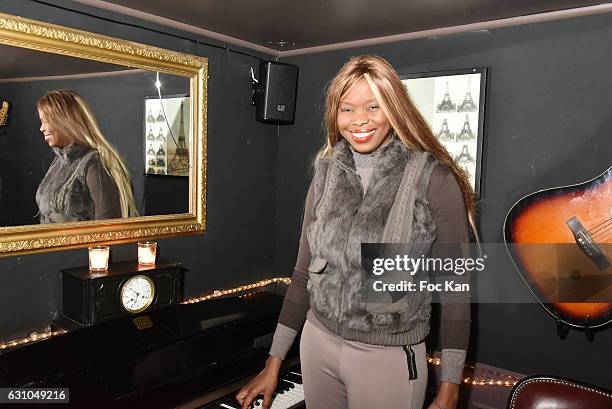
x: 361, y: 120
x: 362, y: 136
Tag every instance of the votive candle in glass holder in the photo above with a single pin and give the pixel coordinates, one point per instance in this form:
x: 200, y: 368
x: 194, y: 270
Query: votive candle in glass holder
x: 98, y: 258
x: 146, y: 253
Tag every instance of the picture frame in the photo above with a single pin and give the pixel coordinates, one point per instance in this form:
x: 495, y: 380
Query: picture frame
x: 167, y: 135
x: 453, y: 104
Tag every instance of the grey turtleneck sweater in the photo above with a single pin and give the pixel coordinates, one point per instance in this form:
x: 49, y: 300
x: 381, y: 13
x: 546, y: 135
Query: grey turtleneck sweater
x: 364, y: 165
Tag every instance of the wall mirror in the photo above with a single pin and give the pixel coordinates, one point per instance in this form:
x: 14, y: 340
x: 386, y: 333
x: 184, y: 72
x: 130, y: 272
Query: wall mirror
x: 150, y: 104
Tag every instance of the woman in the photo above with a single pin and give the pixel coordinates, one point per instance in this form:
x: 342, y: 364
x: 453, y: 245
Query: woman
x: 87, y: 179
x: 382, y: 177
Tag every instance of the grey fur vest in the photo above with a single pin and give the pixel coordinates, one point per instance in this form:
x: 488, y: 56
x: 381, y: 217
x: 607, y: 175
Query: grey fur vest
x: 393, y: 210
x: 63, y: 195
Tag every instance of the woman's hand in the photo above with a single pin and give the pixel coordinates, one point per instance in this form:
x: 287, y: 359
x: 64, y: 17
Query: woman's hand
x: 263, y: 384
x: 447, y: 397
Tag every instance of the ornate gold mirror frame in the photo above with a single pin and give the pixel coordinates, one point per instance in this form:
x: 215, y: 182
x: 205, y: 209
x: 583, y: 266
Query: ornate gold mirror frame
x: 36, y: 35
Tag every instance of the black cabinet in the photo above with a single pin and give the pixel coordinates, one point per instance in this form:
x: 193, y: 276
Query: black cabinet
x: 92, y: 297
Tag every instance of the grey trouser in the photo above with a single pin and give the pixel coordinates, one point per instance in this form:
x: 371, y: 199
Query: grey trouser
x: 341, y: 374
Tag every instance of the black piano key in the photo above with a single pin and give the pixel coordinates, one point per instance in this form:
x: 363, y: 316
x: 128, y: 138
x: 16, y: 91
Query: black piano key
x: 293, y: 377
x: 284, y: 385
x: 231, y: 402
x: 258, y: 398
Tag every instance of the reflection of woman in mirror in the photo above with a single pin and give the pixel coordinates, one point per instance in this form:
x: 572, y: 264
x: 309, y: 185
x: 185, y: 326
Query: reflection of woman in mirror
x: 87, y: 180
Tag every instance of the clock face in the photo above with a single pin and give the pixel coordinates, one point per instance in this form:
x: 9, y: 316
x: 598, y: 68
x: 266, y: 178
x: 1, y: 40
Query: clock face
x: 137, y: 293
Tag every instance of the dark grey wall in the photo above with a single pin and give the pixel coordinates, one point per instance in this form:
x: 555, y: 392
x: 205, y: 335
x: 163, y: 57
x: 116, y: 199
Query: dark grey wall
x: 238, y: 246
x: 548, y: 122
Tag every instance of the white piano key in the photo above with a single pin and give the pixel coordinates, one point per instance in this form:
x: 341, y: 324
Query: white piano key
x: 283, y: 401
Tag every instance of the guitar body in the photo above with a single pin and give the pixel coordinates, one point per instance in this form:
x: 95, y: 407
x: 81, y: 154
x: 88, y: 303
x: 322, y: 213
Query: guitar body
x: 560, y: 241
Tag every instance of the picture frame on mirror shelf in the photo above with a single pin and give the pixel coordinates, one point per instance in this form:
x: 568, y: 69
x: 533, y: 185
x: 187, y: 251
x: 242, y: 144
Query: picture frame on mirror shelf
x: 167, y: 135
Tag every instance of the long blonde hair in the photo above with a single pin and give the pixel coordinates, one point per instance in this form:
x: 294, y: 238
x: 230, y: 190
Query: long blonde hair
x: 71, y: 115
x: 405, y: 119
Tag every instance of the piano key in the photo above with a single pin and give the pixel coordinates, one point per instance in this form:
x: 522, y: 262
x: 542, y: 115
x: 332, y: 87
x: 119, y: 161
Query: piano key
x: 288, y: 399
x: 282, y: 386
x: 290, y: 394
x: 285, y: 400
x: 293, y: 377
x: 230, y: 403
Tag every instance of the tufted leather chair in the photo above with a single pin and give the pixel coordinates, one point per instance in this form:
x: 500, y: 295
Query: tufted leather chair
x: 543, y: 392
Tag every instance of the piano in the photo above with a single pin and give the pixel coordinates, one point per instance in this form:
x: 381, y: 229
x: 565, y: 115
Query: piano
x: 186, y: 356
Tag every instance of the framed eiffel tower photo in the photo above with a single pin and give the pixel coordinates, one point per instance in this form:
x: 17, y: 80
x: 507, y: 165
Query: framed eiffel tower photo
x: 453, y: 103
x: 167, y: 135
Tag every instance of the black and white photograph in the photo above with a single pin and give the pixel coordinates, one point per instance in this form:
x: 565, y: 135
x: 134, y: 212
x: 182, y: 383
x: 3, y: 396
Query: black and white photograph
x: 167, y: 136
x: 452, y: 103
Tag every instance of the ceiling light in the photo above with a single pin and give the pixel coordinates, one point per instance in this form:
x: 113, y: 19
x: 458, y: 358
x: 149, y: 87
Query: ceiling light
x: 281, y: 43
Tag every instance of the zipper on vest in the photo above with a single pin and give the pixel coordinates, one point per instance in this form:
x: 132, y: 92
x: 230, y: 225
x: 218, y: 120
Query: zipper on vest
x: 410, y: 357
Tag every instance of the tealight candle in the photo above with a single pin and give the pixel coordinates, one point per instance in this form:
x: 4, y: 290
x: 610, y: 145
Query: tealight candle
x: 98, y: 258
x: 146, y: 253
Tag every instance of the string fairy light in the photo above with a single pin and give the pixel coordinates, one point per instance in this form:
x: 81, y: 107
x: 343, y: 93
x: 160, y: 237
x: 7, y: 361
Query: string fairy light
x: 246, y: 287
x: 33, y: 337
x: 508, y: 381
x: 490, y: 382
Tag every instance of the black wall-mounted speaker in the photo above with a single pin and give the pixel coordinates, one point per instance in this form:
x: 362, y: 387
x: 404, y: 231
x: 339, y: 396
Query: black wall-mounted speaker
x: 276, y: 93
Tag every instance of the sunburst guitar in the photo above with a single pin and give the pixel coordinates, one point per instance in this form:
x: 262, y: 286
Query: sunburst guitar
x: 560, y: 241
